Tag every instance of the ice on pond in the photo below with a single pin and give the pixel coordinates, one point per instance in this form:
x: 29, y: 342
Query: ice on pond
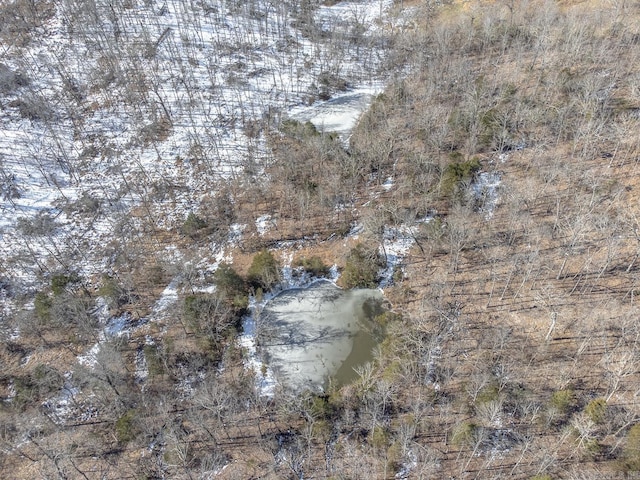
x: 309, y: 334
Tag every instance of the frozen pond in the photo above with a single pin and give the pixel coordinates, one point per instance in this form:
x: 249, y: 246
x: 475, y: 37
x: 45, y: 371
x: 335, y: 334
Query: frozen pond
x: 338, y: 114
x: 308, y: 335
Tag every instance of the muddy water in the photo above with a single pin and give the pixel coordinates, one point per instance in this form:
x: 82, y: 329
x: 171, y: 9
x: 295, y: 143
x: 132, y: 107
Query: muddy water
x: 308, y: 335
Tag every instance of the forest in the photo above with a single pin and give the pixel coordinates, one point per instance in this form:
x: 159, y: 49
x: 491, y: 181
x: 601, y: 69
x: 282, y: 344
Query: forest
x: 449, y: 185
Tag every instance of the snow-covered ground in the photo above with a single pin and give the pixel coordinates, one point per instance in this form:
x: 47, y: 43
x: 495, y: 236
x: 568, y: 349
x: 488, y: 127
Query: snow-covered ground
x: 69, y: 405
x: 115, y: 327
x: 340, y: 113
x: 485, y: 191
x: 264, y: 223
x: 410, y: 463
x: 149, y: 106
x: 396, y: 243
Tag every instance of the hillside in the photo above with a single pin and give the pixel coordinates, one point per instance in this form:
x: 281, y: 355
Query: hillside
x: 166, y: 168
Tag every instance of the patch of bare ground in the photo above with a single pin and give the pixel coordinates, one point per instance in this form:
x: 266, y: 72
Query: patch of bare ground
x: 537, y: 304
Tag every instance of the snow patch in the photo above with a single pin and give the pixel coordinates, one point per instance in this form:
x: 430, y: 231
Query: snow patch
x: 356, y: 230
x: 188, y: 382
x: 235, y: 233
x: 265, y: 381
x: 334, y: 274
x: 396, y: 243
x: 410, y: 463
x: 340, y: 113
x: 485, y: 191
x: 11, y: 392
x: 115, y: 327
x: 68, y: 405
x: 264, y: 223
x: 14, y: 334
x: 354, y: 12
x: 168, y: 297
x: 141, y: 368
x: 90, y: 358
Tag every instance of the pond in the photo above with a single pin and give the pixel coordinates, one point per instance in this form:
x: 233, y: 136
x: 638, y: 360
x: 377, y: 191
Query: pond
x: 340, y: 113
x: 307, y: 335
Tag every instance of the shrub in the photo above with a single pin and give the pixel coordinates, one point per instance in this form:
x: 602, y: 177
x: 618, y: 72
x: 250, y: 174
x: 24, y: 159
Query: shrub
x: 215, y: 348
x: 562, y: 401
x: 40, y: 383
x: 320, y: 407
x: 231, y: 285
x: 321, y: 430
x: 112, y: 291
x: 199, y: 309
x: 495, y: 129
x: 631, y: 452
x: 379, y: 438
x: 59, y: 282
x: 41, y: 224
x: 10, y: 80
x: 71, y: 314
x: 125, y: 427
x: 457, y: 172
x: 193, y: 226
x: 46, y: 380
x: 212, y: 321
x: 596, y: 410
x: 560, y: 405
x: 592, y: 447
x: 394, y: 456
x: 34, y: 108
x: 314, y: 265
x: 434, y: 230
x: 329, y: 83
x: 154, y: 363
x: 24, y: 393
x: 42, y: 304
x: 85, y: 205
x: 264, y: 271
x: 490, y: 393
x: 361, y: 268
x: 384, y: 319
x: 155, y: 131
x: 294, y: 128
x: 464, y: 434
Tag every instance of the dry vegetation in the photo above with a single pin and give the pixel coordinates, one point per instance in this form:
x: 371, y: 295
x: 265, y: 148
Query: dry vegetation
x: 512, y: 351
x: 515, y: 324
